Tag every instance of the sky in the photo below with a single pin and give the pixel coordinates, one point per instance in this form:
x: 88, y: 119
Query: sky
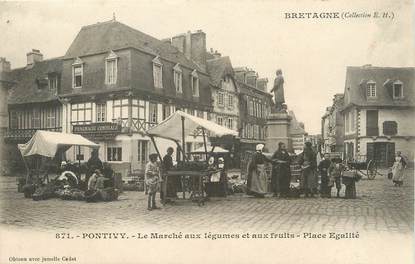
x: 312, y: 53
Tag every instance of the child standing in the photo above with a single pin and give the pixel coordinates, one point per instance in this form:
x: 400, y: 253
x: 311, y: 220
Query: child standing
x: 335, y: 172
x: 152, y: 180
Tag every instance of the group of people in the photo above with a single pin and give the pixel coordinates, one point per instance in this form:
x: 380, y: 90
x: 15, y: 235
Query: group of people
x: 330, y: 173
x: 99, y: 179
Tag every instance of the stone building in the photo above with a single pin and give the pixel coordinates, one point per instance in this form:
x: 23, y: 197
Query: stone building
x: 379, y: 110
x: 332, y: 129
x: 254, y: 105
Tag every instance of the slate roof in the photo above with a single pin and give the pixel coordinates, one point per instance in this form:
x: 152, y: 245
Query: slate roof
x: 357, y: 78
x: 218, y: 68
x: 113, y: 35
x: 26, y: 89
x: 248, y: 89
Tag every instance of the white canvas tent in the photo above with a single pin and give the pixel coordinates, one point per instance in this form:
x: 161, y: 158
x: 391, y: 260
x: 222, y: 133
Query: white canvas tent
x: 179, y: 125
x: 47, y: 143
x: 171, y: 128
x: 217, y: 149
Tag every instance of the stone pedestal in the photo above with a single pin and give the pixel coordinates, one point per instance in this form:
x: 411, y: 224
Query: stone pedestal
x: 278, y: 131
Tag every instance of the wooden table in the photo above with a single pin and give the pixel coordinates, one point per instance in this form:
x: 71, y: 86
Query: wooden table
x: 197, y: 190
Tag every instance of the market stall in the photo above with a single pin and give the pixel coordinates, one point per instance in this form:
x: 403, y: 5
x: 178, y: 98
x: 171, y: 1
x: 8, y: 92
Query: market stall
x: 43, y: 147
x: 176, y: 127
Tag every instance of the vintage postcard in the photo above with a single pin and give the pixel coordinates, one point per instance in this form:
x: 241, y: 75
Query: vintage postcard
x: 184, y: 131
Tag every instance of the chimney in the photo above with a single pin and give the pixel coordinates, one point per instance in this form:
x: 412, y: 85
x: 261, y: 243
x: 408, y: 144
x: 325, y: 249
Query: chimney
x: 198, y: 48
x: 251, y: 78
x: 4, y: 65
x: 262, y: 84
x: 179, y: 42
x: 193, y: 46
x: 34, y: 56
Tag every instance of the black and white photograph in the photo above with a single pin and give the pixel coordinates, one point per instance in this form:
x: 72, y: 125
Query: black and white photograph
x: 184, y: 131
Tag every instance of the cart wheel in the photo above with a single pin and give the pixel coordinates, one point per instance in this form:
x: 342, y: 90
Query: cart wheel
x: 372, y: 169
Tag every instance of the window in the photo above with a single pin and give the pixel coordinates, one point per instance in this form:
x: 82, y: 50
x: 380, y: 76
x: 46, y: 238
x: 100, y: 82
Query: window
x: 177, y: 76
x: 371, y: 89
x: 152, y: 118
x: 114, y: 154
x: 13, y: 120
x: 199, y: 113
x: 372, y: 118
x: 166, y: 111
x: 120, y: 110
x: 53, y: 82
x: 101, y: 112
x: 50, y: 117
x: 230, y: 123
x: 81, y: 113
x: 221, y: 101
x: 139, y: 109
x: 36, y: 118
x: 111, y: 68
x: 397, y: 90
x: 77, y: 73
x: 390, y: 128
x: 230, y: 101
x: 142, y: 151
x: 191, y: 111
x: 346, y: 122
x: 158, y: 73
x: 195, y: 83
x: 219, y: 120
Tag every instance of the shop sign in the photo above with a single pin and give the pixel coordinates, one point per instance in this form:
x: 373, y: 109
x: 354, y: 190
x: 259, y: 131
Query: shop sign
x: 97, y: 131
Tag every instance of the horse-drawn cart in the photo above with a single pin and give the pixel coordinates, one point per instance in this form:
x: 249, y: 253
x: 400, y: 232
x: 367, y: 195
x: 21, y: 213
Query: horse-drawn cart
x: 363, y: 166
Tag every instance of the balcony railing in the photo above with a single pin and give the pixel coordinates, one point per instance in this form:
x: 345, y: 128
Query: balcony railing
x: 23, y: 135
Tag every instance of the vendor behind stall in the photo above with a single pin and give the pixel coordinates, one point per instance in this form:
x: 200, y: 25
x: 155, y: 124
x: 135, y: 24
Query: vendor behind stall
x: 174, y: 180
x: 93, y: 164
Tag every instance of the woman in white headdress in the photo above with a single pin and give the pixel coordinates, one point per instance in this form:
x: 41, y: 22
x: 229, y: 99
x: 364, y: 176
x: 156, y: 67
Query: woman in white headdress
x: 257, y: 178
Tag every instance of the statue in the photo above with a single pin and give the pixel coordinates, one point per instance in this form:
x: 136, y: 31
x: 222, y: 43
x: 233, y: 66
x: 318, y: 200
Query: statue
x: 278, y: 90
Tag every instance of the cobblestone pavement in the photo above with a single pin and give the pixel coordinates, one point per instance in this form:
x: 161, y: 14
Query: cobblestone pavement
x: 380, y: 207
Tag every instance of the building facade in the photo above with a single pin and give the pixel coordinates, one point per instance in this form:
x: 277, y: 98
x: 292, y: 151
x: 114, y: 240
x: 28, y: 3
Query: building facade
x: 255, y: 106
x: 332, y: 129
x: 378, y: 112
x: 225, y: 97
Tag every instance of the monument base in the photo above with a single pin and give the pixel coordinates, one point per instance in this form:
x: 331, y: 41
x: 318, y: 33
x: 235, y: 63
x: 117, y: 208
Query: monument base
x: 278, y: 131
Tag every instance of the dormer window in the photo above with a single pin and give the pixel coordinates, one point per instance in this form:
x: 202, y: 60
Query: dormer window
x: 195, y: 83
x: 177, y: 76
x: 158, y: 72
x: 111, y: 68
x: 397, y: 90
x: 53, y: 82
x: 77, y: 73
x: 371, y: 89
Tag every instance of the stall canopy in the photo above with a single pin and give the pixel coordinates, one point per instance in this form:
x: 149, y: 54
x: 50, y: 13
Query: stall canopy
x: 46, y: 143
x: 217, y: 149
x: 171, y: 128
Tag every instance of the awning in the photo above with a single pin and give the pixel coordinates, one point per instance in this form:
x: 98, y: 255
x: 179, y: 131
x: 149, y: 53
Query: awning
x: 47, y: 143
x: 209, y: 149
x: 171, y: 128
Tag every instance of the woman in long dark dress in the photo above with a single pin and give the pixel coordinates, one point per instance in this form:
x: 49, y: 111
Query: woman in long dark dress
x: 308, y: 162
x: 257, y: 177
x: 282, y: 170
